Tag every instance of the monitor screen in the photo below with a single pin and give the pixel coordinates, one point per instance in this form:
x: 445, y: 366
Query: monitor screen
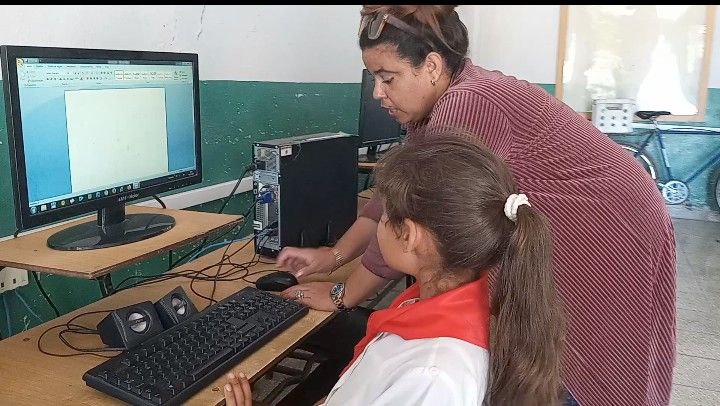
x: 90, y: 129
x: 376, y: 125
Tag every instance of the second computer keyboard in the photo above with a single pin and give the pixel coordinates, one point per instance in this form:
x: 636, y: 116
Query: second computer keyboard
x: 178, y: 362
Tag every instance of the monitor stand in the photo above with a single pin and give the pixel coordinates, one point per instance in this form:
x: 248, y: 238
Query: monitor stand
x: 371, y: 156
x: 112, y: 228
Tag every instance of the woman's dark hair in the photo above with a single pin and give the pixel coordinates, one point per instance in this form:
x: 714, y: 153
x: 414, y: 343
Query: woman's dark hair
x: 440, y: 27
x: 457, y: 189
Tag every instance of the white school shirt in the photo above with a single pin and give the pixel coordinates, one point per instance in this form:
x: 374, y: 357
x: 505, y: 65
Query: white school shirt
x: 428, y: 371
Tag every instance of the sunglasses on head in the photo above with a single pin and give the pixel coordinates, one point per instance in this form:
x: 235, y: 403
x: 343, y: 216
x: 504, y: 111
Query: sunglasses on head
x: 376, y: 22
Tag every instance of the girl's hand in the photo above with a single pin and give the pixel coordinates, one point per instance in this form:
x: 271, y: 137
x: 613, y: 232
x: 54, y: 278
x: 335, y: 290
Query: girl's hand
x: 237, y: 390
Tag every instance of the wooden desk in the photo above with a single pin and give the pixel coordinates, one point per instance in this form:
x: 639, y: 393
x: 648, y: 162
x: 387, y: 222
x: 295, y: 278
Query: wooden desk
x: 32, y: 378
x: 32, y: 253
x: 366, y: 166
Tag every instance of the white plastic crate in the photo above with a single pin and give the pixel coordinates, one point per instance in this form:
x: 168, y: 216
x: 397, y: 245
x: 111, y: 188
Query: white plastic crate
x: 613, y: 115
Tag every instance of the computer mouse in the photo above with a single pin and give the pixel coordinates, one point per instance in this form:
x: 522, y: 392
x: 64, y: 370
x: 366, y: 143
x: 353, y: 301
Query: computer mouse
x: 276, y: 281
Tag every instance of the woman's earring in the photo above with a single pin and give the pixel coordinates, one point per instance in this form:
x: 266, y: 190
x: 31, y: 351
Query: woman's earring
x: 432, y: 82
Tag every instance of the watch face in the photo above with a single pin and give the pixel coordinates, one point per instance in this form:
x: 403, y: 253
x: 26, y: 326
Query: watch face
x: 336, y: 289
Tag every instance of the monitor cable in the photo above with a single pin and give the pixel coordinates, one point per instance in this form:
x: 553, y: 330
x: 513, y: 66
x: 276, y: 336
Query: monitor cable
x: 247, y: 169
x: 162, y: 204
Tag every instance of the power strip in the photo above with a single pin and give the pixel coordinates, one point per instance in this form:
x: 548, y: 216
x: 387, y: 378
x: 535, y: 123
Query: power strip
x: 12, y: 278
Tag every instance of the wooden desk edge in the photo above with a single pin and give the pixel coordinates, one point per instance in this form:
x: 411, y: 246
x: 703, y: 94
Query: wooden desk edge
x: 108, y: 269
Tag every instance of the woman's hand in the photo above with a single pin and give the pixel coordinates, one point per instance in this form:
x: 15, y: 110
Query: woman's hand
x: 237, y: 390
x: 315, y: 295
x: 306, y: 261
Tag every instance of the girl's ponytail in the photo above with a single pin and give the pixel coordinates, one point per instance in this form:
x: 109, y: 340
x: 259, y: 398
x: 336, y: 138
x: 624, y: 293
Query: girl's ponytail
x: 527, y: 333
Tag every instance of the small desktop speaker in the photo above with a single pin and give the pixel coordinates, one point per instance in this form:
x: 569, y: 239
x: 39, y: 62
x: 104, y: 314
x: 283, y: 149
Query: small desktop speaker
x: 175, y: 307
x: 128, y: 326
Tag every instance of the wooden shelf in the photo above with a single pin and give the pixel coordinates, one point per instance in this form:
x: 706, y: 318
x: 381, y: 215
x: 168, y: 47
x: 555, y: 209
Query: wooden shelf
x: 32, y: 253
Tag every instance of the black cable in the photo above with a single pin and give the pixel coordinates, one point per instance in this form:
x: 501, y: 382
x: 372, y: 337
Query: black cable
x: 217, y: 274
x: 164, y: 276
x: 237, y: 184
x: 119, y: 286
x: 162, y: 204
x: 100, y: 349
x: 204, y: 241
x: 70, y: 327
x: 243, y: 267
x: 42, y: 290
x: 220, y: 264
x: 15, y: 234
x: 221, y: 276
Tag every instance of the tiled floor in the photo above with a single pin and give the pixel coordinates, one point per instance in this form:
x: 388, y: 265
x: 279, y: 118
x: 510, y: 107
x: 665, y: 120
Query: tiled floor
x: 697, y: 373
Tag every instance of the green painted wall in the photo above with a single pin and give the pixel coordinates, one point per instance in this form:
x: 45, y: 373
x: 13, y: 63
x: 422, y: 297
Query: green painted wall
x: 233, y: 115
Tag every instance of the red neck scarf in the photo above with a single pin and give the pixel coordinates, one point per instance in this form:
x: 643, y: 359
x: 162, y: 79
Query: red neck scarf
x: 462, y: 313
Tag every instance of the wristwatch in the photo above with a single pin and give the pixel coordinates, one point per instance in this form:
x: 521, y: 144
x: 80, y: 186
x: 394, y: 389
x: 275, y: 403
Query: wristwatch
x: 336, y: 295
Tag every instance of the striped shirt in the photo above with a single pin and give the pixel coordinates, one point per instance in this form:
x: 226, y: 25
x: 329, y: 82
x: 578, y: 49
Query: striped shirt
x: 614, y: 247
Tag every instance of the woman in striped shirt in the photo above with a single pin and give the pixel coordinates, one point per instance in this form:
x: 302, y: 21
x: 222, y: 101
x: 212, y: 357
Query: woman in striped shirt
x: 614, y: 248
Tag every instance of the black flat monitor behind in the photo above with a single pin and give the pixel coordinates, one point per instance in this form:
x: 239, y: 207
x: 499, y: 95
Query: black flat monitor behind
x: 92, y: 129
x: 376, y: 125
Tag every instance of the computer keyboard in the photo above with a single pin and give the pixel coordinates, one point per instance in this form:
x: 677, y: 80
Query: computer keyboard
x: 173, y: 365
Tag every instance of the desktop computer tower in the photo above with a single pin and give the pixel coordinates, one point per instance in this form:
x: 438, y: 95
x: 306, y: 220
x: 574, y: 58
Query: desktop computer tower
x: 305, y: 189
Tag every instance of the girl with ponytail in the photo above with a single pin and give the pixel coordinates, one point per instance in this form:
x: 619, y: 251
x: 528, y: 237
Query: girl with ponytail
x: 452, y: 215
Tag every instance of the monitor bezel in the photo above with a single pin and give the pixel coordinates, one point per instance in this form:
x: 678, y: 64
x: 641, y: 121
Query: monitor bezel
x: 23, y: 217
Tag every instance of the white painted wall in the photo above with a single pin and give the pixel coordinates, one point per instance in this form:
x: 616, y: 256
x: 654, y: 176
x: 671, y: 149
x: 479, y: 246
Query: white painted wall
x: 286, y: 43
x: 517, y: 40
x: 278, y: 43
x: 522, y: 40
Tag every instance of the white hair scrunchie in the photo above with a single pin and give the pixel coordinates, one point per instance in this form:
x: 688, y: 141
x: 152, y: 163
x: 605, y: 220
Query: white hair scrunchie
x: 512, y: 203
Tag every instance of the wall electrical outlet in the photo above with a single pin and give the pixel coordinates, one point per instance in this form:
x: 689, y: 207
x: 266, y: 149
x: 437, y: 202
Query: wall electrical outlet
x: 12, y: 278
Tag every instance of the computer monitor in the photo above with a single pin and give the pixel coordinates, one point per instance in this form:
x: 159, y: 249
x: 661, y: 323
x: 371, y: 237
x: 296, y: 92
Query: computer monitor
x: 376, y: 125
x: 92, y: 129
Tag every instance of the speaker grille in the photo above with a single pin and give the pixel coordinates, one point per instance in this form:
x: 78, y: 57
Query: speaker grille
x: 138, y: 322
x: 179, y: 305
